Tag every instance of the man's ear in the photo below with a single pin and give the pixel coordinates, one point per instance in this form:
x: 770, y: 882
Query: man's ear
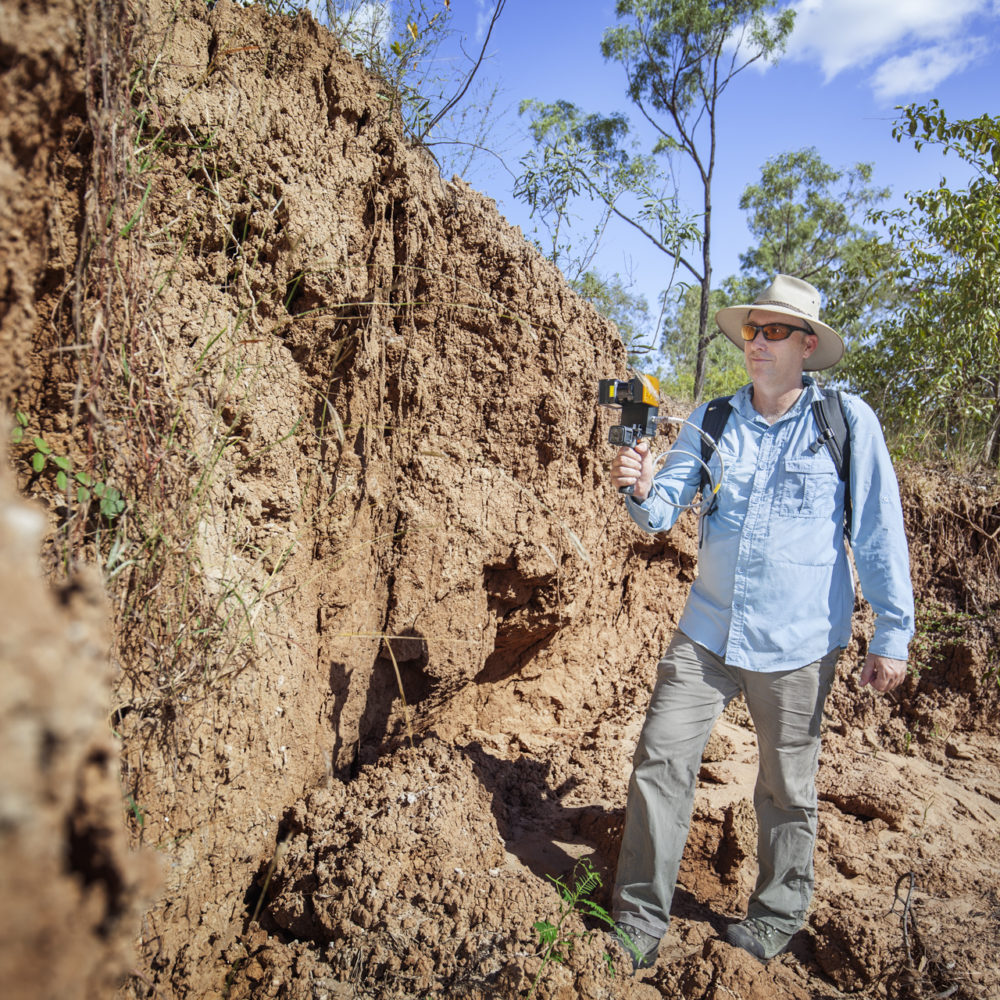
x: 811, y: 343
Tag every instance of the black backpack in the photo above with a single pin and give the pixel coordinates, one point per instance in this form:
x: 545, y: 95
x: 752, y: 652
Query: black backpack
x: 828, y: 412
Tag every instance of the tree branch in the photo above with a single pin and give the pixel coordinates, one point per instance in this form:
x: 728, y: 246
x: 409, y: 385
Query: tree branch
x: 468, y: 80
x: 675, y: 255
x: 473, y: 145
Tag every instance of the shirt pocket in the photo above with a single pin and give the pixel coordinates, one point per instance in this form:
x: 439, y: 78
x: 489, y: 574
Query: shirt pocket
x: 735, y: 488
x: 808, y: 487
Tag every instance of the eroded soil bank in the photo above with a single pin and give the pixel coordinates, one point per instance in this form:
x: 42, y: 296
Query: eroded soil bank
x: 352, y: 416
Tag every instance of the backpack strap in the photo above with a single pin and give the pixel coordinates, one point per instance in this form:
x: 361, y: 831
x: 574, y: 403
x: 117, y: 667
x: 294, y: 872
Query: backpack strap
x: 713, y: 422
x: 828, y: 412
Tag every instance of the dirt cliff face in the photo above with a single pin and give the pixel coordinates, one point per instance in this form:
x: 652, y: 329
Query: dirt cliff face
x: 41, y: 85
x: 74, y: 893
x: 382, y: 635
x: 386, y: 404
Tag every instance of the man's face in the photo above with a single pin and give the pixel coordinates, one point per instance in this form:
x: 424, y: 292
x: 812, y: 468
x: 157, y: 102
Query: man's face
x: 777, y: 362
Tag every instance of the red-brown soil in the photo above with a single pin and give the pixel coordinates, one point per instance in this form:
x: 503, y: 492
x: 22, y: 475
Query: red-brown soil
x: 359, y: 408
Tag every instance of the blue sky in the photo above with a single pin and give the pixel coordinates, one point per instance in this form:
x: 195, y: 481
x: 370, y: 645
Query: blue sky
x: 848, y: 65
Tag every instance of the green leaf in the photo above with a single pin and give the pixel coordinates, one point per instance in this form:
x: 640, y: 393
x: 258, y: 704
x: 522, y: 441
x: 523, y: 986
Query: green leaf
x: 62, y: 480
x: 137, y: 214
x: 546, y: 932
x: 62, y: 462
x: 82, y: 494
x: 84, y: 479
x: 17, y: 435
x: 42, y: 446
x: 21, y: 418
x: 112, y: 507
x: 38, y: 461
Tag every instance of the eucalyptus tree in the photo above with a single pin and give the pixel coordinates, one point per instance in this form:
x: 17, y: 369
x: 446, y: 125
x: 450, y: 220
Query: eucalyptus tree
x: 933, y: 364
x: 679, y: 58
x: 808, y: 218
x: 574, y: 153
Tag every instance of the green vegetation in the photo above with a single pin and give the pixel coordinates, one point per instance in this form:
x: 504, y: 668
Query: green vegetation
x: 931, y: 365
x: 678, y: 61
x: 556, y: 939
x: 84, y: 486
x: 138, y: 816
x: 805, y: 218
x: 588, y: 155
x: 724, y: 371
x: 937, y: 627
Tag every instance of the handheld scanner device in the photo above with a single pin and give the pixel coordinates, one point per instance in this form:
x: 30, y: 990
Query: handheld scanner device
x: 640, y: 410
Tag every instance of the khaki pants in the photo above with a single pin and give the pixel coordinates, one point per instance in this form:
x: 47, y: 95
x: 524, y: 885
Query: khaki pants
x: 693, y: 687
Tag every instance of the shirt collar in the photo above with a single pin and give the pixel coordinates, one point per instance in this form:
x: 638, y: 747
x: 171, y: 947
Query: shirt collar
x: 742, y: 400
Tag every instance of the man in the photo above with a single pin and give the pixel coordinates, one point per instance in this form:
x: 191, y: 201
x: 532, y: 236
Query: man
x: 768, y: 614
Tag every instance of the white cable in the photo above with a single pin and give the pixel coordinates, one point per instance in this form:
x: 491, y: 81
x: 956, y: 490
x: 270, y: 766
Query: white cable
x: 706, y: 501
x: 714, y: 482
x: 660, y: 492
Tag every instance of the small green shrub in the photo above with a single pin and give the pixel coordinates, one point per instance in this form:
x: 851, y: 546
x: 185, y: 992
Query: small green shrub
x: 556, y: 939
x: 86, y: 487
x: 936, y: 627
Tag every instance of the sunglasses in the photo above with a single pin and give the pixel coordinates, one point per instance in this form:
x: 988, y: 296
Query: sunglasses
x: 771, y: 331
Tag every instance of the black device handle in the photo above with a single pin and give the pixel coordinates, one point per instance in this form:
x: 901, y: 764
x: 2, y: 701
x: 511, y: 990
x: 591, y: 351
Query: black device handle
x: 630, y: 489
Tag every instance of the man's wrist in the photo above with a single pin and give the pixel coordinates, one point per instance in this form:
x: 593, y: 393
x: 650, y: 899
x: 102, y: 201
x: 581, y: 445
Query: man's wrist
x: 892, y: 644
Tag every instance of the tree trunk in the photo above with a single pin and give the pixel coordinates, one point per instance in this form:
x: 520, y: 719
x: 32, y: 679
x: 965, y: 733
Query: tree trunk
x: 705, y: 335
x: 991, y: 447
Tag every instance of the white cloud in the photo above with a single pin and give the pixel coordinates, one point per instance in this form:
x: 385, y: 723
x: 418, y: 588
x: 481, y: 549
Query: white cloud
x: 902, y: 39
x: 921, y: 71
x: 484, y: 14
x: 373, y: 20
x: 362, y: 25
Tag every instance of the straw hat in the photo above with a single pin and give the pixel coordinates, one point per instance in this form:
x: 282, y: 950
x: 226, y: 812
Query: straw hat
x: 795, y: 298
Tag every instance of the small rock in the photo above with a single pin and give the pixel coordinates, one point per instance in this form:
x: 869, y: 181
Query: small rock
x: 959, y: 751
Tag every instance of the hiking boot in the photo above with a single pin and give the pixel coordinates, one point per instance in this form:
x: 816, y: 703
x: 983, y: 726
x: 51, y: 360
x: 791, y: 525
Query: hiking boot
x: 757, y: 937
x: 640, y: 947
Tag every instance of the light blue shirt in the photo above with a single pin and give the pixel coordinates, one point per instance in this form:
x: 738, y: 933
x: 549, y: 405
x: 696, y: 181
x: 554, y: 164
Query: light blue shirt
x: 775, y: 589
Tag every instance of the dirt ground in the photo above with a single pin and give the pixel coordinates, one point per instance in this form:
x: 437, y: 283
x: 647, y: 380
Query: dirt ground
x: 363, y: 408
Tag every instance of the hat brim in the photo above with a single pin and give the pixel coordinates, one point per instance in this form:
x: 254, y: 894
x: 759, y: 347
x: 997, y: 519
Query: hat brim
x: 829, y: 349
